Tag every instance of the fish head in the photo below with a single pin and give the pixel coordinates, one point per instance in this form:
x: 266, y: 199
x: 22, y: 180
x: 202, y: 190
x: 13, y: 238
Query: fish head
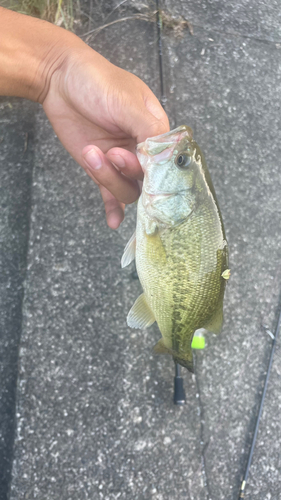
x: 170, y: 163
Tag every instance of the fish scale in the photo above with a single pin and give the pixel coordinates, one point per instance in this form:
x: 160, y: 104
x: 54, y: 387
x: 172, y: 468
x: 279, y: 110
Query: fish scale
x: 192, y: 296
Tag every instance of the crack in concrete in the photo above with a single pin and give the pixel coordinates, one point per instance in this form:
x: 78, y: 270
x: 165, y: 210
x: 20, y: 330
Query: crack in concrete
x: 238, y: 35
x: 203, y: 446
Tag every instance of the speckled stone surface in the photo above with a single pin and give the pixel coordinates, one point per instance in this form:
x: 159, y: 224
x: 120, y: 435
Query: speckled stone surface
x: 95, y: 414
x: 95, y: 417
x: 260, y: 20
x: 224, y: 89
x: 16, y: 151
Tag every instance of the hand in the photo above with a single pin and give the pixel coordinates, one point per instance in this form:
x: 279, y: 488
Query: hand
x: 100, y: 112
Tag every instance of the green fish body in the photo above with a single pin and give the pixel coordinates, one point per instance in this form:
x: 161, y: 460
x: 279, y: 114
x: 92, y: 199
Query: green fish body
x: 180, y: 246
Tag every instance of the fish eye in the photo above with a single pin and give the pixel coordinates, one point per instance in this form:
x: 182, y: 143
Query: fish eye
x: 183, y: 160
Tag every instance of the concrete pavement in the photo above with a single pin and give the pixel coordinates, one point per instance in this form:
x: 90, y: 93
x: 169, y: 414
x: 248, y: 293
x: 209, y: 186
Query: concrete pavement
x: 95, y: 417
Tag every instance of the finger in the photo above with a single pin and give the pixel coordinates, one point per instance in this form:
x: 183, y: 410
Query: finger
x: 141, y: 123
x: 98, y: 166
x: 114, y: 209
x: 126, y: 162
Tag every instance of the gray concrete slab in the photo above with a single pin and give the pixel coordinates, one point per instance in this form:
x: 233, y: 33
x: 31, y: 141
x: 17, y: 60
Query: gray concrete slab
x: 95, y: 412
x: 16, y: 151
x: 260, y: 20
x: 95, y: 417
x: 223, y: 88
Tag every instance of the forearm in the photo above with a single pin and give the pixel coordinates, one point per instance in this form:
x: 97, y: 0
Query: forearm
x: 30, y: 51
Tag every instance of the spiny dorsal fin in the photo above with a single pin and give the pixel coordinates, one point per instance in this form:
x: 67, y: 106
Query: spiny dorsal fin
x: 140, y: 315
x: 129, y: 252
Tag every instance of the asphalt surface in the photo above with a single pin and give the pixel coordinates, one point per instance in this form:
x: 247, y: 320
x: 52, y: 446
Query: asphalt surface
x: 93, y: 412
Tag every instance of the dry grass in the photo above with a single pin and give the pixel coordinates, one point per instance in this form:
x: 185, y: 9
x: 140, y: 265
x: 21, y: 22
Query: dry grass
x: 60, y: 12
x: 170, y: 23
x: 65, y: 13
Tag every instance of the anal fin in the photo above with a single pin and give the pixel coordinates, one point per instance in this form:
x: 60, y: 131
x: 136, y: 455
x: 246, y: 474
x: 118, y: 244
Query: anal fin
x: 140, y: 315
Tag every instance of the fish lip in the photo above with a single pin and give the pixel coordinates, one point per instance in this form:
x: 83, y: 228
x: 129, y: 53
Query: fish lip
x: 152, y: 195
x: 164, y: 195
x: 156, y: 139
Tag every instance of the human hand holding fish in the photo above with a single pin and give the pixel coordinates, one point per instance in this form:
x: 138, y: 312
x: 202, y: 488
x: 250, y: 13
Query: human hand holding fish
x: 98, y: 111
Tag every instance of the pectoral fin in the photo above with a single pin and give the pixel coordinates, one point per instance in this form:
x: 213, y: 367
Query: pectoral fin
x: 129, y: 252
x: 140, y: 316
x: 214, y: 324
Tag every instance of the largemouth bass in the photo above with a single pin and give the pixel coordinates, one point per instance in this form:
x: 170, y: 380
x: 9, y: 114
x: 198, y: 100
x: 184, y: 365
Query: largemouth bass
x: 179, y: 245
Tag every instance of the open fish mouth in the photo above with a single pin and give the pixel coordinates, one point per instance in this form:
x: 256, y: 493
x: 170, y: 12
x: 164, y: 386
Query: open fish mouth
x: 167, y: 139
x: 161, y: 147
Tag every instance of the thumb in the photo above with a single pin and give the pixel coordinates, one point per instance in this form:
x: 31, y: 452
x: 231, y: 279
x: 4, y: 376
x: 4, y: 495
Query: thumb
x: 141, y: 114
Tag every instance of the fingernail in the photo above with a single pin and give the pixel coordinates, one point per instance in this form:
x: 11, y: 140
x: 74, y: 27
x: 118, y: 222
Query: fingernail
x: 93, y: 159
x: 118, y: 160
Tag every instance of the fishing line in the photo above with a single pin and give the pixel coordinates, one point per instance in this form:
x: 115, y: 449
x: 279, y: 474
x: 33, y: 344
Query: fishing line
x: 245, y: 478
x: 163, y: 98
x: 179, y: 394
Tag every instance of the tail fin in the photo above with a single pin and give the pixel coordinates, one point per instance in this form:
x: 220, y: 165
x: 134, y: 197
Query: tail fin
x: 160, y: 348
x: 186, y: 362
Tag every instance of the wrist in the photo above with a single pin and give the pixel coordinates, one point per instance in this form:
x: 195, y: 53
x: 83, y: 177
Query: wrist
x: 31, y: 51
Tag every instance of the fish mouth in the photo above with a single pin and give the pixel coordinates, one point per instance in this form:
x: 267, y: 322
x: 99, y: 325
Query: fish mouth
x: 151, y: 198
x: 160, y: 196
x: 167, y: 141
x: 155, y: 196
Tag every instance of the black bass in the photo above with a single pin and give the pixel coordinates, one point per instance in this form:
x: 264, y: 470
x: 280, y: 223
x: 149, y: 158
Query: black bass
x: 179, y: 245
